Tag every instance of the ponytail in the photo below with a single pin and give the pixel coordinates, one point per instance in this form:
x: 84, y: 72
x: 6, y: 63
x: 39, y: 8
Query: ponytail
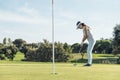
x: 83, y: 24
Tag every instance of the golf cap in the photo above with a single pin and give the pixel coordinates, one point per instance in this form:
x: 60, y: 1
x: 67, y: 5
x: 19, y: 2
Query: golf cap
x: 78, y: 24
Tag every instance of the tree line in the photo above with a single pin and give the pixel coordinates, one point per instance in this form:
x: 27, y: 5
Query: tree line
x: 42, y: 51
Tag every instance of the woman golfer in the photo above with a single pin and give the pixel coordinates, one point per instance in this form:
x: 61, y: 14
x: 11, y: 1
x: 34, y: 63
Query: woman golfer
x: 87, y: 35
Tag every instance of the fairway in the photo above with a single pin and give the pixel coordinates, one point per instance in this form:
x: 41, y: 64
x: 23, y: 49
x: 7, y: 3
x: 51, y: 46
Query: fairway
x: 65, y: 71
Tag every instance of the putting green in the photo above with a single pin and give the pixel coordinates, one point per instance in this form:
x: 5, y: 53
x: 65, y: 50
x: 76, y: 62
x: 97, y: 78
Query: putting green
x: 65, y: 71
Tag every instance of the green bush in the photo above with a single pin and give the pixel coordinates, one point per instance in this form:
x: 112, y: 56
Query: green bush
x: 44, y: 53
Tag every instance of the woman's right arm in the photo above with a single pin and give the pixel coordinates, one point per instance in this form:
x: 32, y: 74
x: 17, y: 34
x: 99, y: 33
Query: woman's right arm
x: 85, y: 35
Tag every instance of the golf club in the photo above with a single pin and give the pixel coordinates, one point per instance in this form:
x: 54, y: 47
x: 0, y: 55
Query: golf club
x: 75, y: 64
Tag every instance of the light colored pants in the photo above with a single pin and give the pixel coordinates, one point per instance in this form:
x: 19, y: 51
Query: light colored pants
x: 89, y: 50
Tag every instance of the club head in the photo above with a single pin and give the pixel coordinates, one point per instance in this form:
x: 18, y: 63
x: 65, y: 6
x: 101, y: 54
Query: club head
x: 54, y: 73
x: 74, y: 64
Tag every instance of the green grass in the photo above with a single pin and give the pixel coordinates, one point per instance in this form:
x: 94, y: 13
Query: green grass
x: 19, y: 70
x: 19, y: 56
x: 65, y: 71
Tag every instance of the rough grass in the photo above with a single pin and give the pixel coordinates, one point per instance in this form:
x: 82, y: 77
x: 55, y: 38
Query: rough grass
x: 97, y: 58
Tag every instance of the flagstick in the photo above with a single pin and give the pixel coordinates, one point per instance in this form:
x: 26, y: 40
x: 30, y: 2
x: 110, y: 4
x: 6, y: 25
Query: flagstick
x: 53, y: 65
